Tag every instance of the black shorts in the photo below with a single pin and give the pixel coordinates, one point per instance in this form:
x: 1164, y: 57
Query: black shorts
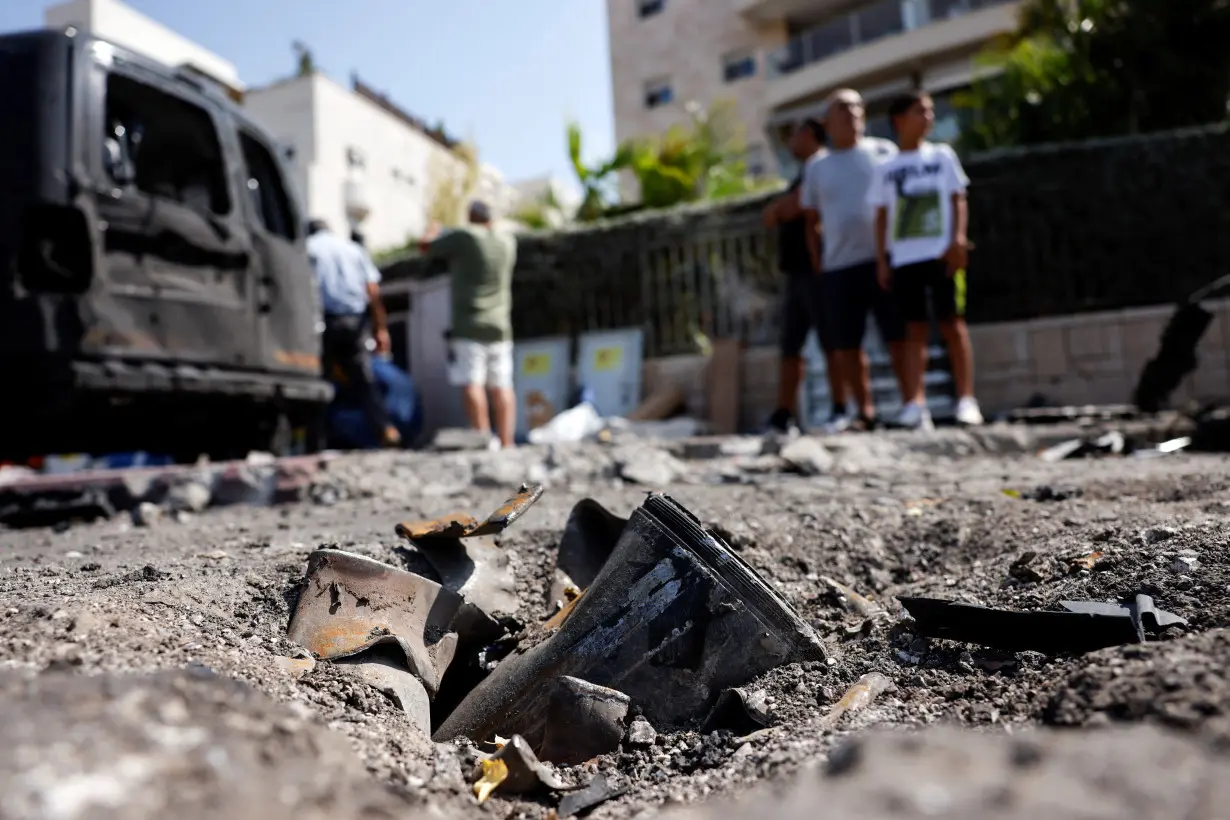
x: 801, y: 313
x: 847, y: 295
x: 912, y: 282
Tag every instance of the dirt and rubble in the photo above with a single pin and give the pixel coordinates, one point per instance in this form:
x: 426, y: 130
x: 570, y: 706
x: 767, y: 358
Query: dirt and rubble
x: 144, y: 665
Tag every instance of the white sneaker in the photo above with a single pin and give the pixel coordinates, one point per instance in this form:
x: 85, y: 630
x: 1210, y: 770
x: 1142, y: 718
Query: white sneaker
x: 494, y: 444
x: 839, y: 423
x: 968, y: 411
x: 914, y: 416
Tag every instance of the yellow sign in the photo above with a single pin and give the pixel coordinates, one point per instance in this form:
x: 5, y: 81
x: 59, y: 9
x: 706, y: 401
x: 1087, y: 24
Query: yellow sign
x: 536, y: 364
x: 607, y: 358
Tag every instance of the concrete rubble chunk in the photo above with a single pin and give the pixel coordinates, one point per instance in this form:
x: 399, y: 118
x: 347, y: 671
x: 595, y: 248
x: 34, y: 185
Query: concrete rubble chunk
x: 807, y: 456
x: 647, y: 465
x: 641, y: 733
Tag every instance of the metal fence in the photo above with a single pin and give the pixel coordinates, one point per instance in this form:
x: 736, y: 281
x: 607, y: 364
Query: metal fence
x: 1060, y: 229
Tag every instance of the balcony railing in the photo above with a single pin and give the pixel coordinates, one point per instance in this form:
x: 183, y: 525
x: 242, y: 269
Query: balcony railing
x: 864, y: 25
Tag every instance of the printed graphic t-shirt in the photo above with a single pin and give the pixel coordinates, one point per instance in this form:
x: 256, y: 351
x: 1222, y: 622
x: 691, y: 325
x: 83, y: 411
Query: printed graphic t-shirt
x: 835, y: 186
x: 917, y: 187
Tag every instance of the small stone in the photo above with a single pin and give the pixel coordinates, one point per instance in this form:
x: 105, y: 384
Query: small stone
x: 214, y: 555
x: 146, y: 514
x: 641, y: 733
x: 1156, y: 535
x: 191, y: 496
x: 807, y: 456
x: 1185, y: 562
x: 73, y: 554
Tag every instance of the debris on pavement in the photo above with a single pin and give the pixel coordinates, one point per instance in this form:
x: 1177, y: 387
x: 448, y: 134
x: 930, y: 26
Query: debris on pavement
x: 353, y: 605
x: 1082, y: 562
x: 598, y: 791
x: 858, y: 696
x: 740, y: 711
x: 493, y: 772
x: 589, y: 537
x: 641, y: 733
x: 1107, y: 444
x: 673, y: 618
x: 1021, y: 570
x: 860, y: 604
x: 1083, y: 626
x: 806, y: 455
x: 464, y: 554
x: 515, y: 769
x: 583, y: 722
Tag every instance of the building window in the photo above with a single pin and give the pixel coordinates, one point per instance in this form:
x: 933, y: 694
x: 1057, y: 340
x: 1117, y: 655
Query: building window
x: 648, y: 8
x: 658, y: 93
x: 355, y: 159
x: 738, y: 65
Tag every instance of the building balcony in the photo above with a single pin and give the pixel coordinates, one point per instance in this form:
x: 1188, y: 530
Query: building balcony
x: 877, y: 38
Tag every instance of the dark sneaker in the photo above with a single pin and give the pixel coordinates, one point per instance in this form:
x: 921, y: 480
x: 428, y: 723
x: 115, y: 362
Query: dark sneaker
x: 782, y: 423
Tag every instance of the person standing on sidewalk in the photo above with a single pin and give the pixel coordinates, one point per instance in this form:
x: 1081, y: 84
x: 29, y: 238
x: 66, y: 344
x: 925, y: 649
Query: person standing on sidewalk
x: 350, y: 296
x: 921, y: 246
x: 480, y: 260
x: 800, y: 289
x: 834, y: 197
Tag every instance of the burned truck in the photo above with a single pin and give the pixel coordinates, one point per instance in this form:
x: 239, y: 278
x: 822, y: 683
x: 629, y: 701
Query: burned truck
x: 155, y: 290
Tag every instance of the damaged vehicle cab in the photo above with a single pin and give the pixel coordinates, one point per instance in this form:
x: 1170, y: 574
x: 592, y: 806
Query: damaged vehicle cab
x: 155, y: 290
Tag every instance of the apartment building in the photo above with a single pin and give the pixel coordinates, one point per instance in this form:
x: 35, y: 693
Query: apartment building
x: 778, y: 59
x: 359, y: 161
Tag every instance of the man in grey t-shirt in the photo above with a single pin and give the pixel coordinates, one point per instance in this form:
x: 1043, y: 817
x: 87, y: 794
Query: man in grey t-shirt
x: 834, y: 197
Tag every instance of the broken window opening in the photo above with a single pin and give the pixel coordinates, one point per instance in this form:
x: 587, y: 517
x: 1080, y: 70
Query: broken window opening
x: 170, y: 145
x: 267, y: 188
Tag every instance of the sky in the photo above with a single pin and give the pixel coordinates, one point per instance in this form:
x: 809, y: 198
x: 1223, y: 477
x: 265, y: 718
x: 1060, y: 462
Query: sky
x: 506, y: 74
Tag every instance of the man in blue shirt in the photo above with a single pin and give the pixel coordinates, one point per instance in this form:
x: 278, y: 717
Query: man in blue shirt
x: 350, y: 295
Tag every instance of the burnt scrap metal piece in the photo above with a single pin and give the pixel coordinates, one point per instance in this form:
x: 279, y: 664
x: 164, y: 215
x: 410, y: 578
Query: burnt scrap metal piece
x: 599, y: 790
x: 464, y: 525
x: 1112, y: 443
x: 583, y: 722
x: 464, y: 554
x: 740, y: 711
x: 353, y: 603
x: 859, y: 696
x: 857, y: 603
x: 385, y: 671
x: 589, y: 538
x: 1141, y: 612
x: 1095, y: 626
x: 526, y: 773
x: 674, y: 617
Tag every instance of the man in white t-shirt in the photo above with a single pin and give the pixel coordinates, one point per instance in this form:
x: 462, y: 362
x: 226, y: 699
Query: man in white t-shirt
x: 834, y: 197
x: 921, y: 246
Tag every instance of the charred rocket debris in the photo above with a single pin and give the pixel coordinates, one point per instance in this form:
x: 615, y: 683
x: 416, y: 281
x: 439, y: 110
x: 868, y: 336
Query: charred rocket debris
x: 652, y: 623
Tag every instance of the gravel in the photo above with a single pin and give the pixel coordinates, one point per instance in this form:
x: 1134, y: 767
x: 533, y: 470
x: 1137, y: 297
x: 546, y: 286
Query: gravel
x: 143, y: 671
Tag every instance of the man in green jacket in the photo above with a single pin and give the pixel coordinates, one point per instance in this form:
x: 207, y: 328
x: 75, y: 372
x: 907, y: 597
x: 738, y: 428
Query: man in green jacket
x: 480, y: 260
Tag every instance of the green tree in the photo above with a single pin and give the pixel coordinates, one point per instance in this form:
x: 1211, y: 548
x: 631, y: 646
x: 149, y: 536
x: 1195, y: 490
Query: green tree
x: 597, y: 181
x: 1076, y: 69
x: 704, y: 158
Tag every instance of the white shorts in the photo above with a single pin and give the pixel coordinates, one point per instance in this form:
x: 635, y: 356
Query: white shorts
x: 488, y: 365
